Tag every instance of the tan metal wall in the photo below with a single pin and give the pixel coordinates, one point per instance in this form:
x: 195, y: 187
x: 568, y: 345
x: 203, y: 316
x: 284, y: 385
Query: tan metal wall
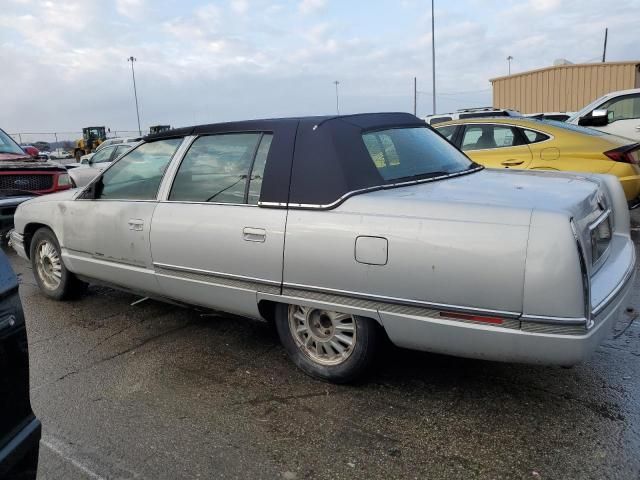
x: 563, y: 88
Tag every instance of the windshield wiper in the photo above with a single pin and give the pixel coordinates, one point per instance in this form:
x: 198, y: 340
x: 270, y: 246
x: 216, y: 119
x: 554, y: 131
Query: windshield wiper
x: 420, y: 176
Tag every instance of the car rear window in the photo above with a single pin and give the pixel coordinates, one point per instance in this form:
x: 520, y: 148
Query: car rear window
x: 573, y: 128
x: 435, y: 120
x: 404, y: 154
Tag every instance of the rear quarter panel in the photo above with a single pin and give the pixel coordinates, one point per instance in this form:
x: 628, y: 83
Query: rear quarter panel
x: 468, y: 255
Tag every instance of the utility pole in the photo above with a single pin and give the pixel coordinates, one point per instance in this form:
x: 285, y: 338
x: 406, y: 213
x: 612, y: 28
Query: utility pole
x: 337, y: 103
x: 509, y: 58
x: 415, y: 96
x: 604, y: 50
x: 135, y: 92
x: 433, y: 55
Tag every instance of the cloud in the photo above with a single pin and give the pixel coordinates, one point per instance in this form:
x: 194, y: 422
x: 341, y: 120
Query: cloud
x: 240, y: 6
x: 310, y: 6
x: 130, y: 8
x: 64, y: 61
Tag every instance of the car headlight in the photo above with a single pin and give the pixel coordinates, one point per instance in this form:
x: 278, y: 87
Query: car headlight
x: 64, y: 180
x: 601, y: 234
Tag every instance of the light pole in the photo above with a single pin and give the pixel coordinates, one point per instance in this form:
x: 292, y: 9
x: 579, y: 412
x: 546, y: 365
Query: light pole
x: 433, y: 55
x: 509, y: 58
x: 135, y: 92
x: 337, y: 103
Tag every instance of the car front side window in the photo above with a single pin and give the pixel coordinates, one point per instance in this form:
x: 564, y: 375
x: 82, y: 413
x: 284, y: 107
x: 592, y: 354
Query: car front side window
x: 625, y: 108
x: 138, y: 174
x: 103, y: 155
x: 225, y: 168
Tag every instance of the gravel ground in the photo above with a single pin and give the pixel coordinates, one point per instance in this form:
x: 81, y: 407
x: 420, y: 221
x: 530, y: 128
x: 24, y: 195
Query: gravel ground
x: 160, y: 392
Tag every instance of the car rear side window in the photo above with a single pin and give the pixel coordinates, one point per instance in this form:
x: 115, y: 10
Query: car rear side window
x: 483, y: 137
x: 225, y: 168
x: 533, y: 136
x: 404, y: 154
x: 138, y: 174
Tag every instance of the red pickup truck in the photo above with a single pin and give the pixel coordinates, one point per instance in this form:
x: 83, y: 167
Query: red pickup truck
x: 21, y: 172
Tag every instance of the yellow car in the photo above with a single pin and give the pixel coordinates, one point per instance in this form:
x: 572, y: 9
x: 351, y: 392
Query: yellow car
x: 515, y: 142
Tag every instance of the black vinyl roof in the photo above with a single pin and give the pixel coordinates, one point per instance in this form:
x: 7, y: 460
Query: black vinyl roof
x: 313, y: 161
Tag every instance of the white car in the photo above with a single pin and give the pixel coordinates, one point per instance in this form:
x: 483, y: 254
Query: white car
x: 617, y: 113
x: 471, y: 113
x: 90, y: 166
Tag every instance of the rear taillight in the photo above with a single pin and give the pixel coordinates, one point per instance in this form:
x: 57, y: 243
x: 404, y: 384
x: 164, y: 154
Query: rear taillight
x: 626, y: 154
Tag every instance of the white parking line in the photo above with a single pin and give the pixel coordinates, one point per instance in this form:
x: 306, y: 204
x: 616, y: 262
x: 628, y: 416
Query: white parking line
x: 67, y: 453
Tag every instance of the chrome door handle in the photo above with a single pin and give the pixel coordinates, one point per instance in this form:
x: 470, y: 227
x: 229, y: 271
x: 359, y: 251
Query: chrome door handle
x: 637, y: 127
x: 254, y: 234
x: 508, y: 163
x: 136, y: 225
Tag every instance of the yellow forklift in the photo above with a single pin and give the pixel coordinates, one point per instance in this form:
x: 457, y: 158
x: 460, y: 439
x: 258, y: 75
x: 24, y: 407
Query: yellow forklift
x: 91, y: 138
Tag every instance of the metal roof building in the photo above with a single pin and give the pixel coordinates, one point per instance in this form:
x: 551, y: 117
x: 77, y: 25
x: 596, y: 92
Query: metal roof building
x: 563, y: 88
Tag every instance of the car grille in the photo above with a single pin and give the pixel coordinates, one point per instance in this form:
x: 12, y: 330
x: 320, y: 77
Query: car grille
x: 27, y: 182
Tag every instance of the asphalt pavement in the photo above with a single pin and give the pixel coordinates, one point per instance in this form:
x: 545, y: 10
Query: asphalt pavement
x: 154, y: 391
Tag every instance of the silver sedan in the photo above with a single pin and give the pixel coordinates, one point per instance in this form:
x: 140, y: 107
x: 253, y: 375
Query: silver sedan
x: 344, y: 229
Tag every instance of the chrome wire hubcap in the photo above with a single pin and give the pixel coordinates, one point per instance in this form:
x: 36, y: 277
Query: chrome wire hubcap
x: 326, y: 337
x: 48, y: 265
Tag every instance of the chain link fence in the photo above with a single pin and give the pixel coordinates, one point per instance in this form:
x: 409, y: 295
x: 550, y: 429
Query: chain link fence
x: 62, y: 140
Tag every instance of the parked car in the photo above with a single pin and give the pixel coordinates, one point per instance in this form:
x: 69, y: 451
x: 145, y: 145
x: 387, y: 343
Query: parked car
x: 30, y: 150
x: 19, y: 428
x: 84, y: 159
x: 387, y: 227
x: 20, y: 171
x: 89, y: 168
x: 471, y: 113
x: 550, y: 145
x: 616, y: 112
x: 118, y: 140
x: 559, y: 116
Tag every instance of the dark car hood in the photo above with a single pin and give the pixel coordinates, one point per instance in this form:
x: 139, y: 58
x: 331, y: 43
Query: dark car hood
x: 12, y: 161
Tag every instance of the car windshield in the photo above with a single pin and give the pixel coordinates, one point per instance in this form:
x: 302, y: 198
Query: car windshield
x: 413, y: 153
x: 7, y: 145
x: 572, y: 127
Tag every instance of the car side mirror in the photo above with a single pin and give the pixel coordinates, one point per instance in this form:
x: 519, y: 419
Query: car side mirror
x: 94, y: 190
x: 597, y: 118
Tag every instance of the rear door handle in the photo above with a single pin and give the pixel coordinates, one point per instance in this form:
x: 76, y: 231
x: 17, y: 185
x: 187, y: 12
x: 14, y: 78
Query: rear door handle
x: 512, y: 162
x: 136, y: 224
x: 250, y: 234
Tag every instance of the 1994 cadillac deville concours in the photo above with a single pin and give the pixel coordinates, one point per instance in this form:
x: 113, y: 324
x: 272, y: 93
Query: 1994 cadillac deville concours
x: 341, y: 229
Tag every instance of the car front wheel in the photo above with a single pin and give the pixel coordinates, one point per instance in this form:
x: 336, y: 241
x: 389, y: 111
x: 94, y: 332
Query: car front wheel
x: 53, y: 278
x: 332, y: 346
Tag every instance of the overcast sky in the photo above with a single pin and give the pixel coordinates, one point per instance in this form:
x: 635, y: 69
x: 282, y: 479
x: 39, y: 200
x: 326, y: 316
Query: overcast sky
x: 63, y: 62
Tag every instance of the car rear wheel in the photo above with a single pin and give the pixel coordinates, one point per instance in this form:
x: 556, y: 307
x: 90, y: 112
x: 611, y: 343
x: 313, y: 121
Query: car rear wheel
x: 332, y: 346
x: 53, y: 278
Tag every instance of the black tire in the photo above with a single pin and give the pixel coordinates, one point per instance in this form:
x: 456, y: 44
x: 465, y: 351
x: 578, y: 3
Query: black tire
x: 356, y: 364
x: 69, y: 285
x: 77, y: 154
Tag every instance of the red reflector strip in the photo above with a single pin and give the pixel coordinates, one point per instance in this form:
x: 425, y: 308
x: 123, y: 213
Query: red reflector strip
x: 473, y: 318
